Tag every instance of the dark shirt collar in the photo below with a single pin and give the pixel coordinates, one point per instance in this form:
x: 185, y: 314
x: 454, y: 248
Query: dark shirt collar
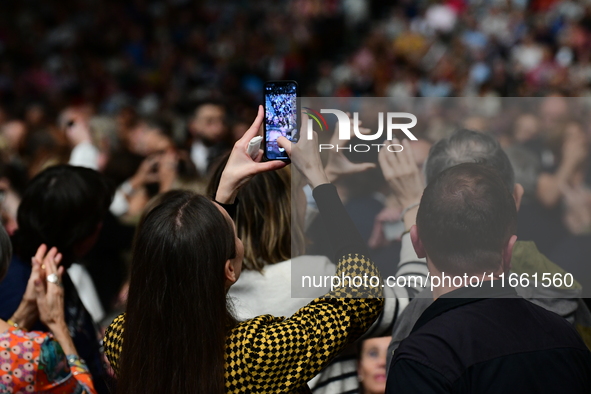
x: 463, y: 296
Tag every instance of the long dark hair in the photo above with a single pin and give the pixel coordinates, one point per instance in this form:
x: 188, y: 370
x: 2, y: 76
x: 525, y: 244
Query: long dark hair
x: 177, y: 315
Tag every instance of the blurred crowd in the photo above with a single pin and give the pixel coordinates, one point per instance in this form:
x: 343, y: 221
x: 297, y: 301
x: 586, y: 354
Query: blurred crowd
x: 281, y: 111
x: 163, y: 56
x: 150, y: 93
x: 154, y: 94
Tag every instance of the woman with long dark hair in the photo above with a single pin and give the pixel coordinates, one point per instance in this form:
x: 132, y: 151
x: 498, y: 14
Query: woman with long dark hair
x: 178, y: 334
x: 274, y: 243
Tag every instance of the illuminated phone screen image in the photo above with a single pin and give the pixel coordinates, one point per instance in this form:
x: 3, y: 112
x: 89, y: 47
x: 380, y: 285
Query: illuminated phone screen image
x: 280, y: 117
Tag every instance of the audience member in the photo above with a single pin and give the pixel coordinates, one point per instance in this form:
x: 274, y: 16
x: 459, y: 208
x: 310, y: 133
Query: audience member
x: 36, y: 361
x: 275, y: 259
x: 465, y: 146
x: 155, y: 102
x: 273, y: 242
x: 475, y: 339
x: 371, y: 365
x: 62, y: 207
x: 287, y: 350
x: 209, y: 136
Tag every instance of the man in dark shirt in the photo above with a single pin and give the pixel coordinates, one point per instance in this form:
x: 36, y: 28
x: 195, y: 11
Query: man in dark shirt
x: 479, y: 336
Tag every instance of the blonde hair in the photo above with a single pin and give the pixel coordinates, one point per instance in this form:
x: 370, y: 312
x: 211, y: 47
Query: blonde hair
x: 265, y: 221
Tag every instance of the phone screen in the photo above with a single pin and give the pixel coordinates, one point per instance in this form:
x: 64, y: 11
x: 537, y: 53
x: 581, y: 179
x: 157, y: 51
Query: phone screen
x: 281, y: 116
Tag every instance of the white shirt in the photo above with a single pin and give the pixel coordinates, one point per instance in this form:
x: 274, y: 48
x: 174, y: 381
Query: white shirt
x: 86, y: 155
x: 269, y: 292
x: 200, y: 156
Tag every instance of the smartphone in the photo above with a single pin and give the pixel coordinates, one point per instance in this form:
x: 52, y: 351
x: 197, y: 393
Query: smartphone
x: 282, y: 117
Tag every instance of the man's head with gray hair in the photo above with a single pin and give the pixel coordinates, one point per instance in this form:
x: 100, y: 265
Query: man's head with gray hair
x: 467, y: 146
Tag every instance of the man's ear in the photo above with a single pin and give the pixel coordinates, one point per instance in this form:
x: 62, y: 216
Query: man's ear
x: 230, y: 272
x: 518, y: 194
x: 417, y: 243
x: 508, y: 253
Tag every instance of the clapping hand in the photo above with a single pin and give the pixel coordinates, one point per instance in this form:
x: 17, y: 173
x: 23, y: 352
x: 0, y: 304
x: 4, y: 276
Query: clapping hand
x: 27, y: 313
x: 50, y: 296
x: 48, y: 288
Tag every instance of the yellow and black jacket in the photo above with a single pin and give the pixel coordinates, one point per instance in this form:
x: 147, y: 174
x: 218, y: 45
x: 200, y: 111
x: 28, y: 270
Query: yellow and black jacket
x: 270, y: 354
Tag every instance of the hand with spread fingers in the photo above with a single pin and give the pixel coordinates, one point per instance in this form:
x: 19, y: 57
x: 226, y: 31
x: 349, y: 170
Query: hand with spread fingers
x: 403, y: 175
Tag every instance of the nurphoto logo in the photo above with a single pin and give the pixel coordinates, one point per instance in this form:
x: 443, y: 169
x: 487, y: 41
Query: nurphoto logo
x: 344, y: 129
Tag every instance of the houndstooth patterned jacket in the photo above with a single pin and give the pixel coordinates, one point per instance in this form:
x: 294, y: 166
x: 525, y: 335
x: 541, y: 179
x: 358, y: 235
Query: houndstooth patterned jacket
x: 270, y: 354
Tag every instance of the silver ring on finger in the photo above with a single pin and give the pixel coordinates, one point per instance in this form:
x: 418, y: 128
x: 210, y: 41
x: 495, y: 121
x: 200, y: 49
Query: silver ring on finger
x: 53, y: 278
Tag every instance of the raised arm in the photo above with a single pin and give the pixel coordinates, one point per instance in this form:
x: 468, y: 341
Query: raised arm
x: 296, y: 349
x: 550, y: 186
x: 280, y: 354
x: 241, y: 167
x: 404, y: 178
x: 341, y: 230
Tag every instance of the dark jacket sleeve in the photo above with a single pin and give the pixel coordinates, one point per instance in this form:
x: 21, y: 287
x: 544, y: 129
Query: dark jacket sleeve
x: 341, y: 230
x: 280, y: 354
